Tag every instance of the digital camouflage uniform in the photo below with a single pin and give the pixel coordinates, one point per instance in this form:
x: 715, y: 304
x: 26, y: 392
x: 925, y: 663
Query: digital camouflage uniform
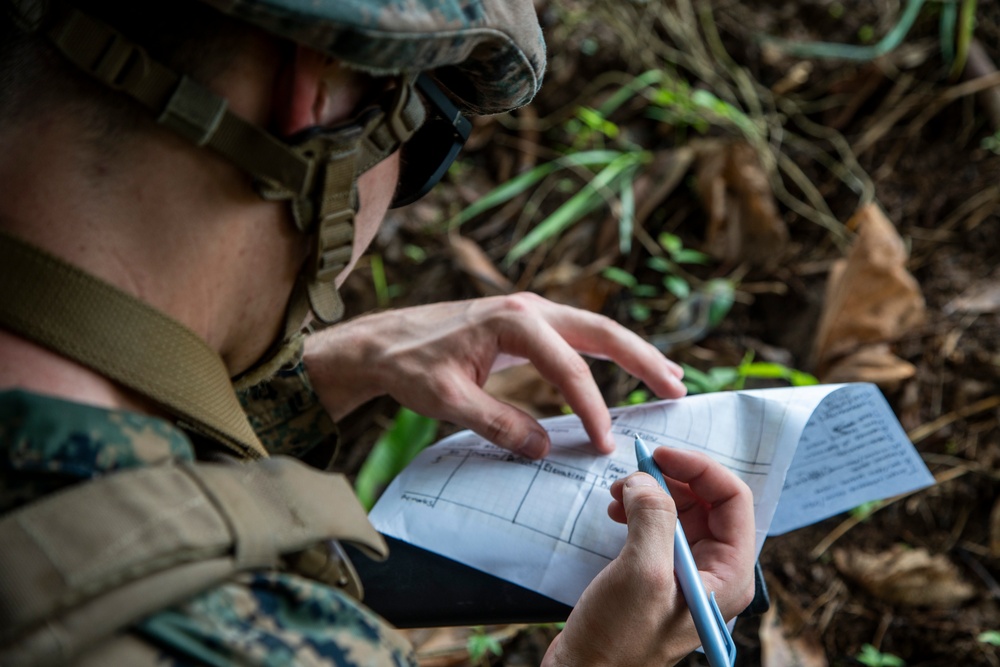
x: 489, y: 56
x: 268, y: 618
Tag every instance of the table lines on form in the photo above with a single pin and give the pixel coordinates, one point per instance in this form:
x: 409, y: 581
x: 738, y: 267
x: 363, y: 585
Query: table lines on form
x: 536, y: 493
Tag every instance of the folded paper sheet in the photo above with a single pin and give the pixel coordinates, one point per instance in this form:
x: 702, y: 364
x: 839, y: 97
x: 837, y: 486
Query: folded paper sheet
x: 807, y: 453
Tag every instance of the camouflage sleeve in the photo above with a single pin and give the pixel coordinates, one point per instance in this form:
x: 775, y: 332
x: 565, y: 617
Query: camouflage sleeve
x: 276, y: 619
x: 283, y: 408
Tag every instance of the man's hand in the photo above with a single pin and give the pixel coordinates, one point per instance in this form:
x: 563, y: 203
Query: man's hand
x: 435, y: 359
x: 633, y: 613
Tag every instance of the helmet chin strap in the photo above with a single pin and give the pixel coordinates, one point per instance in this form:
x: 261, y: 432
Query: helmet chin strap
x: 340, y: 155
x: 317, y: 174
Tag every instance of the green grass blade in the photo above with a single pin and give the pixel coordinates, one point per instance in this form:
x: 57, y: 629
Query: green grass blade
x: 409, y: 434
x: 579, y: 205
x: 520, y: 183
x: 627, y: 221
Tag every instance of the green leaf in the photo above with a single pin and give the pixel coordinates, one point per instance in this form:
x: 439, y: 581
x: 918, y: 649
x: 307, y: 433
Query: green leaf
x: 639, y: 312
x: 670, y: 242
x: 991, y: 637
x: 645, y: 291
x: 627, y: 92
x: 480, y: 644
x: 765, y: 370
x: 379, y: 281
x: 409, y: 434
x: 696, y: 381
x: 687, y: 256
x: 415, y: 253
x: 620, y: 276
x: 865, y: 510
x: 719, y: 378
x: 722, y: 294
x: 802, y: 379
x: 637, y: 397
x: 661, y: 264
x: 724, y: 376
x: 677, y: 286
x: 872, y: 657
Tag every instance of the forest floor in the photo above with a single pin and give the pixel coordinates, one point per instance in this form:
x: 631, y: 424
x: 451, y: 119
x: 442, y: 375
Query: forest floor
x: 773, y: 164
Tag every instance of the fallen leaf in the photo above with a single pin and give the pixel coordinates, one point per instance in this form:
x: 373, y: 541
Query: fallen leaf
x: 871, y: 301
x: 523, y: 387
x: 572, y: 285
x: 872, y: 363
x: 743, y: 220
x: 472, y: 260
x: 779, y: 647
x: 911, y: 577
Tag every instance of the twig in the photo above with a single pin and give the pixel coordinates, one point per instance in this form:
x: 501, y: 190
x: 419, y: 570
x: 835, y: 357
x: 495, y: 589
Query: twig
x: 847, y: 524
x: 923, y: 431
x: 977, y: 66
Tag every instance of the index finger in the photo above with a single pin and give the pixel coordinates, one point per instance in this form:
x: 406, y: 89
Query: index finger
x: 601, y: 337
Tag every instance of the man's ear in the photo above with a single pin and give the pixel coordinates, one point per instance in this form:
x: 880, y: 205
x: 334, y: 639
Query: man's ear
x: 300, y: 92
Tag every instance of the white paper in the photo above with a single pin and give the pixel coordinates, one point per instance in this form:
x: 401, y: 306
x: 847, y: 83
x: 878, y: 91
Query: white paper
x: 544, y: 524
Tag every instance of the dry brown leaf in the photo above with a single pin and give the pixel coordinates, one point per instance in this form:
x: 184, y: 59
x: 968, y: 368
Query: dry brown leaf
x: 871, y: 300
x: 523, y: 387
x: 743, y: 220
x: 781, y: 648
x: 572, y: 285
x: 872, y: 363
x: 905, y: 576
x: 472, y: 260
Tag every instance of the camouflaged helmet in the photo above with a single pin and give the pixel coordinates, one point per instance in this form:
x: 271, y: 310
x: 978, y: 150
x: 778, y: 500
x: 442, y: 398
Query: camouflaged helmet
x: 487, y: 55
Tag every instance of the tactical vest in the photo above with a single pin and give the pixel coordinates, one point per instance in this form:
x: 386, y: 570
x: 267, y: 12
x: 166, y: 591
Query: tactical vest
x: 80, y: 566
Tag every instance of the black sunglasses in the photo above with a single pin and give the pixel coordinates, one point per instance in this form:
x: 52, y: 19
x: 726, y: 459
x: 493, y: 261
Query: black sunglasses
x: 429, y: 153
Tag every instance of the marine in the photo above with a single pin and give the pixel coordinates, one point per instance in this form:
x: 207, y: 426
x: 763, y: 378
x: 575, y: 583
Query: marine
x: 187, y: 185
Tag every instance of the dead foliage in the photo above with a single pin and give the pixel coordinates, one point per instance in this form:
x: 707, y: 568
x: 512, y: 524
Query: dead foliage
x: 911, y: 577
x: 871, y: 301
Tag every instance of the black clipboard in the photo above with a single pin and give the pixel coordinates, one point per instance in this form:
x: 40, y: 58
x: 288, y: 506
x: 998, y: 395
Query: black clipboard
x: 416, y: 588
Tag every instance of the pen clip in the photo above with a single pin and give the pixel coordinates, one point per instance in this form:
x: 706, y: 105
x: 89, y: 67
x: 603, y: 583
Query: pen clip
x: 723, y: 629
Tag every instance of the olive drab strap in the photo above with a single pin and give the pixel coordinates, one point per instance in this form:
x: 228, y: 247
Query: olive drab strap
x: 317, y: 175
x: 75, y: 567
x: 61, y: 307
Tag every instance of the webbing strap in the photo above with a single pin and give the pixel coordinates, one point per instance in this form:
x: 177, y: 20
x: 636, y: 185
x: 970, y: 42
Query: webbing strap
x: 57, y: 305
x: 101, y: 537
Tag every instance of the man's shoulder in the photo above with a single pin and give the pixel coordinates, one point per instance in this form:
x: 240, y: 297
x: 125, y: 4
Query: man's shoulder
x: 48, y: 442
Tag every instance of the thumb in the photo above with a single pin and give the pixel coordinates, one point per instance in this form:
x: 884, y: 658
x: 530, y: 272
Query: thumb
x: 651, y: 516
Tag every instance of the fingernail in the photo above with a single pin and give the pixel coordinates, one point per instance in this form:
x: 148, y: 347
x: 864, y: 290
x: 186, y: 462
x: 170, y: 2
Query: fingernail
x: 610, y: 444
x: 640, y: 480
x: 533, y: 446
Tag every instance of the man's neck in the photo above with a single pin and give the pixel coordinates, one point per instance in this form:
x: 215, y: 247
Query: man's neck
x: 162, y: 220
x: 25, y: 365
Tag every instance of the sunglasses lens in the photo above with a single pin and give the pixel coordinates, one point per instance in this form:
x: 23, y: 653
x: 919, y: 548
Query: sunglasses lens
x: 426, y: 157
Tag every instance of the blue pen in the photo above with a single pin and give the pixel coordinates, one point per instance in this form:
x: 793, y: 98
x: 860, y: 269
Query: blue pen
x: 715, y: 638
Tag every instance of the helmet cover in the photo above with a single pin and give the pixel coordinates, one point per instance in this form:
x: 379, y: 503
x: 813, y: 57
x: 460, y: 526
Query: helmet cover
x: 488, y: 54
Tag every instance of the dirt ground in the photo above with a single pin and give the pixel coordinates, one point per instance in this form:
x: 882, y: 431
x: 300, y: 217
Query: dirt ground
x: 898, y: 132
